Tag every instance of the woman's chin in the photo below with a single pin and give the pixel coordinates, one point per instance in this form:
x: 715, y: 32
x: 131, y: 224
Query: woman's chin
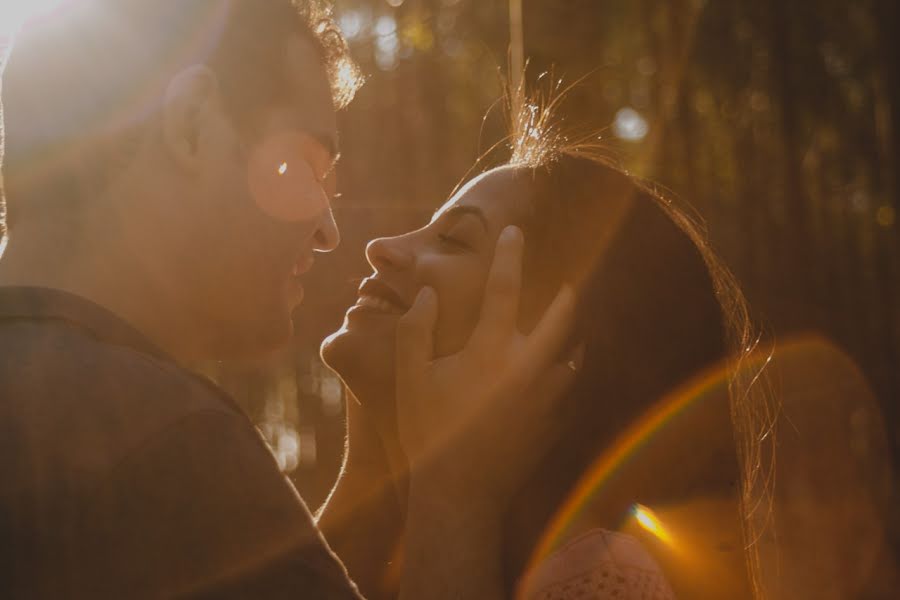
x: 365, y: 364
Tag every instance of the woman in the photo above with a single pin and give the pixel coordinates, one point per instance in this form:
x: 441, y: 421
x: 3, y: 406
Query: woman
x: 655, y: 308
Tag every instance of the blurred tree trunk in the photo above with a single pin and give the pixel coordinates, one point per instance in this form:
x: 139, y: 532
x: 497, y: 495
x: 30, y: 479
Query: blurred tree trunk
x: 795, y: 202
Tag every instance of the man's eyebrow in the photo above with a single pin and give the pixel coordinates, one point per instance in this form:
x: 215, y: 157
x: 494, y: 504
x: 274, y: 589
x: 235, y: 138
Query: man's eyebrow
x: 460, y: 210
x: 329, y: 142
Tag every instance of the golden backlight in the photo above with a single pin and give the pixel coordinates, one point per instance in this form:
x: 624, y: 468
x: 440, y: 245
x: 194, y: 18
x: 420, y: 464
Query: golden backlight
x: 14, y: 12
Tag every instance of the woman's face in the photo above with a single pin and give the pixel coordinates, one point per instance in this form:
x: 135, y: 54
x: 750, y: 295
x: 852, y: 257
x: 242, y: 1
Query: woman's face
x: 452, y: 254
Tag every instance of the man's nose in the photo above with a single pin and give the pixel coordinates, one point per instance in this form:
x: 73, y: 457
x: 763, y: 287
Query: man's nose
x: 389, y: 253
x: 327, y: 236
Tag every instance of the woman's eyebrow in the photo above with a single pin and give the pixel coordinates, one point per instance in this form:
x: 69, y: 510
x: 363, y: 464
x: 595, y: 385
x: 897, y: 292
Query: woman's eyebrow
x: 460, y: 210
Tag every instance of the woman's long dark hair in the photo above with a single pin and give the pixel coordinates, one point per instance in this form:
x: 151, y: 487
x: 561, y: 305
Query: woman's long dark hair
x: 657, y: 306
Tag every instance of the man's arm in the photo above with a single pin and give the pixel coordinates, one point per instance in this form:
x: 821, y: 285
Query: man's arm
x: 202, y: 509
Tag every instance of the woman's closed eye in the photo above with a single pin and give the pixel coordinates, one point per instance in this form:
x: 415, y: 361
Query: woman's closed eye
x: 462, y: 236
x: 452, y: 242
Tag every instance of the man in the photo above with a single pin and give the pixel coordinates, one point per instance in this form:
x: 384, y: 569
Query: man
x: 167, y: 171
x: 152, y: 150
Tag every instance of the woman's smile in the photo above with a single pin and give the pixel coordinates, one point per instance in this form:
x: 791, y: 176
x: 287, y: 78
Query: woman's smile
x: 375, y: 296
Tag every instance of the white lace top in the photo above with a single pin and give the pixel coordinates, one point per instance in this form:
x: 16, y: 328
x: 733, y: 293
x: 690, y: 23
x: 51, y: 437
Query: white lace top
x: 599, y: 565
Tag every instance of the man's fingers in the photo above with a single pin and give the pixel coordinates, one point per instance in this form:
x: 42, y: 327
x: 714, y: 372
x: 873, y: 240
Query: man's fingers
x: 415, y: 334
x: 500, y: 309
x: 546, y: 341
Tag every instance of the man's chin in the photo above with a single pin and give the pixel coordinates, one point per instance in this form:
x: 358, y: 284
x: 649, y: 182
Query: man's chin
x: 253, y: 340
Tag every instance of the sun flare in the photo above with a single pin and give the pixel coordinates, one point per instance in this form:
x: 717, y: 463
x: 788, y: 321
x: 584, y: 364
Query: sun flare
x: 14, y: 12
x: 650, y: 522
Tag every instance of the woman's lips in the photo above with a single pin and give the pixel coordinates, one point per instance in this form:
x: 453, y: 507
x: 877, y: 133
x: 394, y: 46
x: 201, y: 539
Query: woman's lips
x: 378, y: 305
x: 377, y: 297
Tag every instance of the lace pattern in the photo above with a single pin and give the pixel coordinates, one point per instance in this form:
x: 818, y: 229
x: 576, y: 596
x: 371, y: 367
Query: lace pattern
x: 599, y: 565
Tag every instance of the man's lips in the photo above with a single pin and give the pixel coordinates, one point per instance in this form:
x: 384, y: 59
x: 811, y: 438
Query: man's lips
x: 377, y: 296
x: 302, y: 266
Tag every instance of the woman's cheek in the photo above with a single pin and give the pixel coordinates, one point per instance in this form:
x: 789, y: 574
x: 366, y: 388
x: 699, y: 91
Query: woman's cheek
x: 458, y: 282
x: 459, y: 305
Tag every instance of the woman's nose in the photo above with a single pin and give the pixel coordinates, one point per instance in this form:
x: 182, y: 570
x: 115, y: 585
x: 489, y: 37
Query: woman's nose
x: 390, y: 253
x: 327, y: 236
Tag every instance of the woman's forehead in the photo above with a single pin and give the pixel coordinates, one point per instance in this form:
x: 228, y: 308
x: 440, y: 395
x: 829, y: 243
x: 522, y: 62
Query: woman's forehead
x: 502, y: 194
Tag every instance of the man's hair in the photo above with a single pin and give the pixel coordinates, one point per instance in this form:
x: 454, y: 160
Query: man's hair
x: 77, y: 84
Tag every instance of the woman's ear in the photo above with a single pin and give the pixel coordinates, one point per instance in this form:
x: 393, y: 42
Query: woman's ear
x: 190, y: 99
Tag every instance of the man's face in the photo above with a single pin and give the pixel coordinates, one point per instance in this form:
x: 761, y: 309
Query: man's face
x: 261, y: 213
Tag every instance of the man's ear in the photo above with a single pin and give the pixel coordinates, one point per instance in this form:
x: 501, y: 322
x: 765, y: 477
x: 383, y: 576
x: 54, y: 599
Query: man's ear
x: 190, y: 98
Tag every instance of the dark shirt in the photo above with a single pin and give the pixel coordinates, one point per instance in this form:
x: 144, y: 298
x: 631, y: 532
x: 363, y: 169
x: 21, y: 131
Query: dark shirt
x: 123, y: 475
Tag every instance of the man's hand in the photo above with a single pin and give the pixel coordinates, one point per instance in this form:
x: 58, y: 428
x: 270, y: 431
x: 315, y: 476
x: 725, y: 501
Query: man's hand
x: 477, y: 421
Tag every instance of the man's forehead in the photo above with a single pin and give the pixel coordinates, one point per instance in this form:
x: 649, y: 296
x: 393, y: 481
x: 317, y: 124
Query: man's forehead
x: 310, y: 100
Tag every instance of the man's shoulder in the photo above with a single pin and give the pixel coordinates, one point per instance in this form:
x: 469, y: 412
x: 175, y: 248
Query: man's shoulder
x: 150, y: 472
x: 54, y: 359
x: 62, y: 388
